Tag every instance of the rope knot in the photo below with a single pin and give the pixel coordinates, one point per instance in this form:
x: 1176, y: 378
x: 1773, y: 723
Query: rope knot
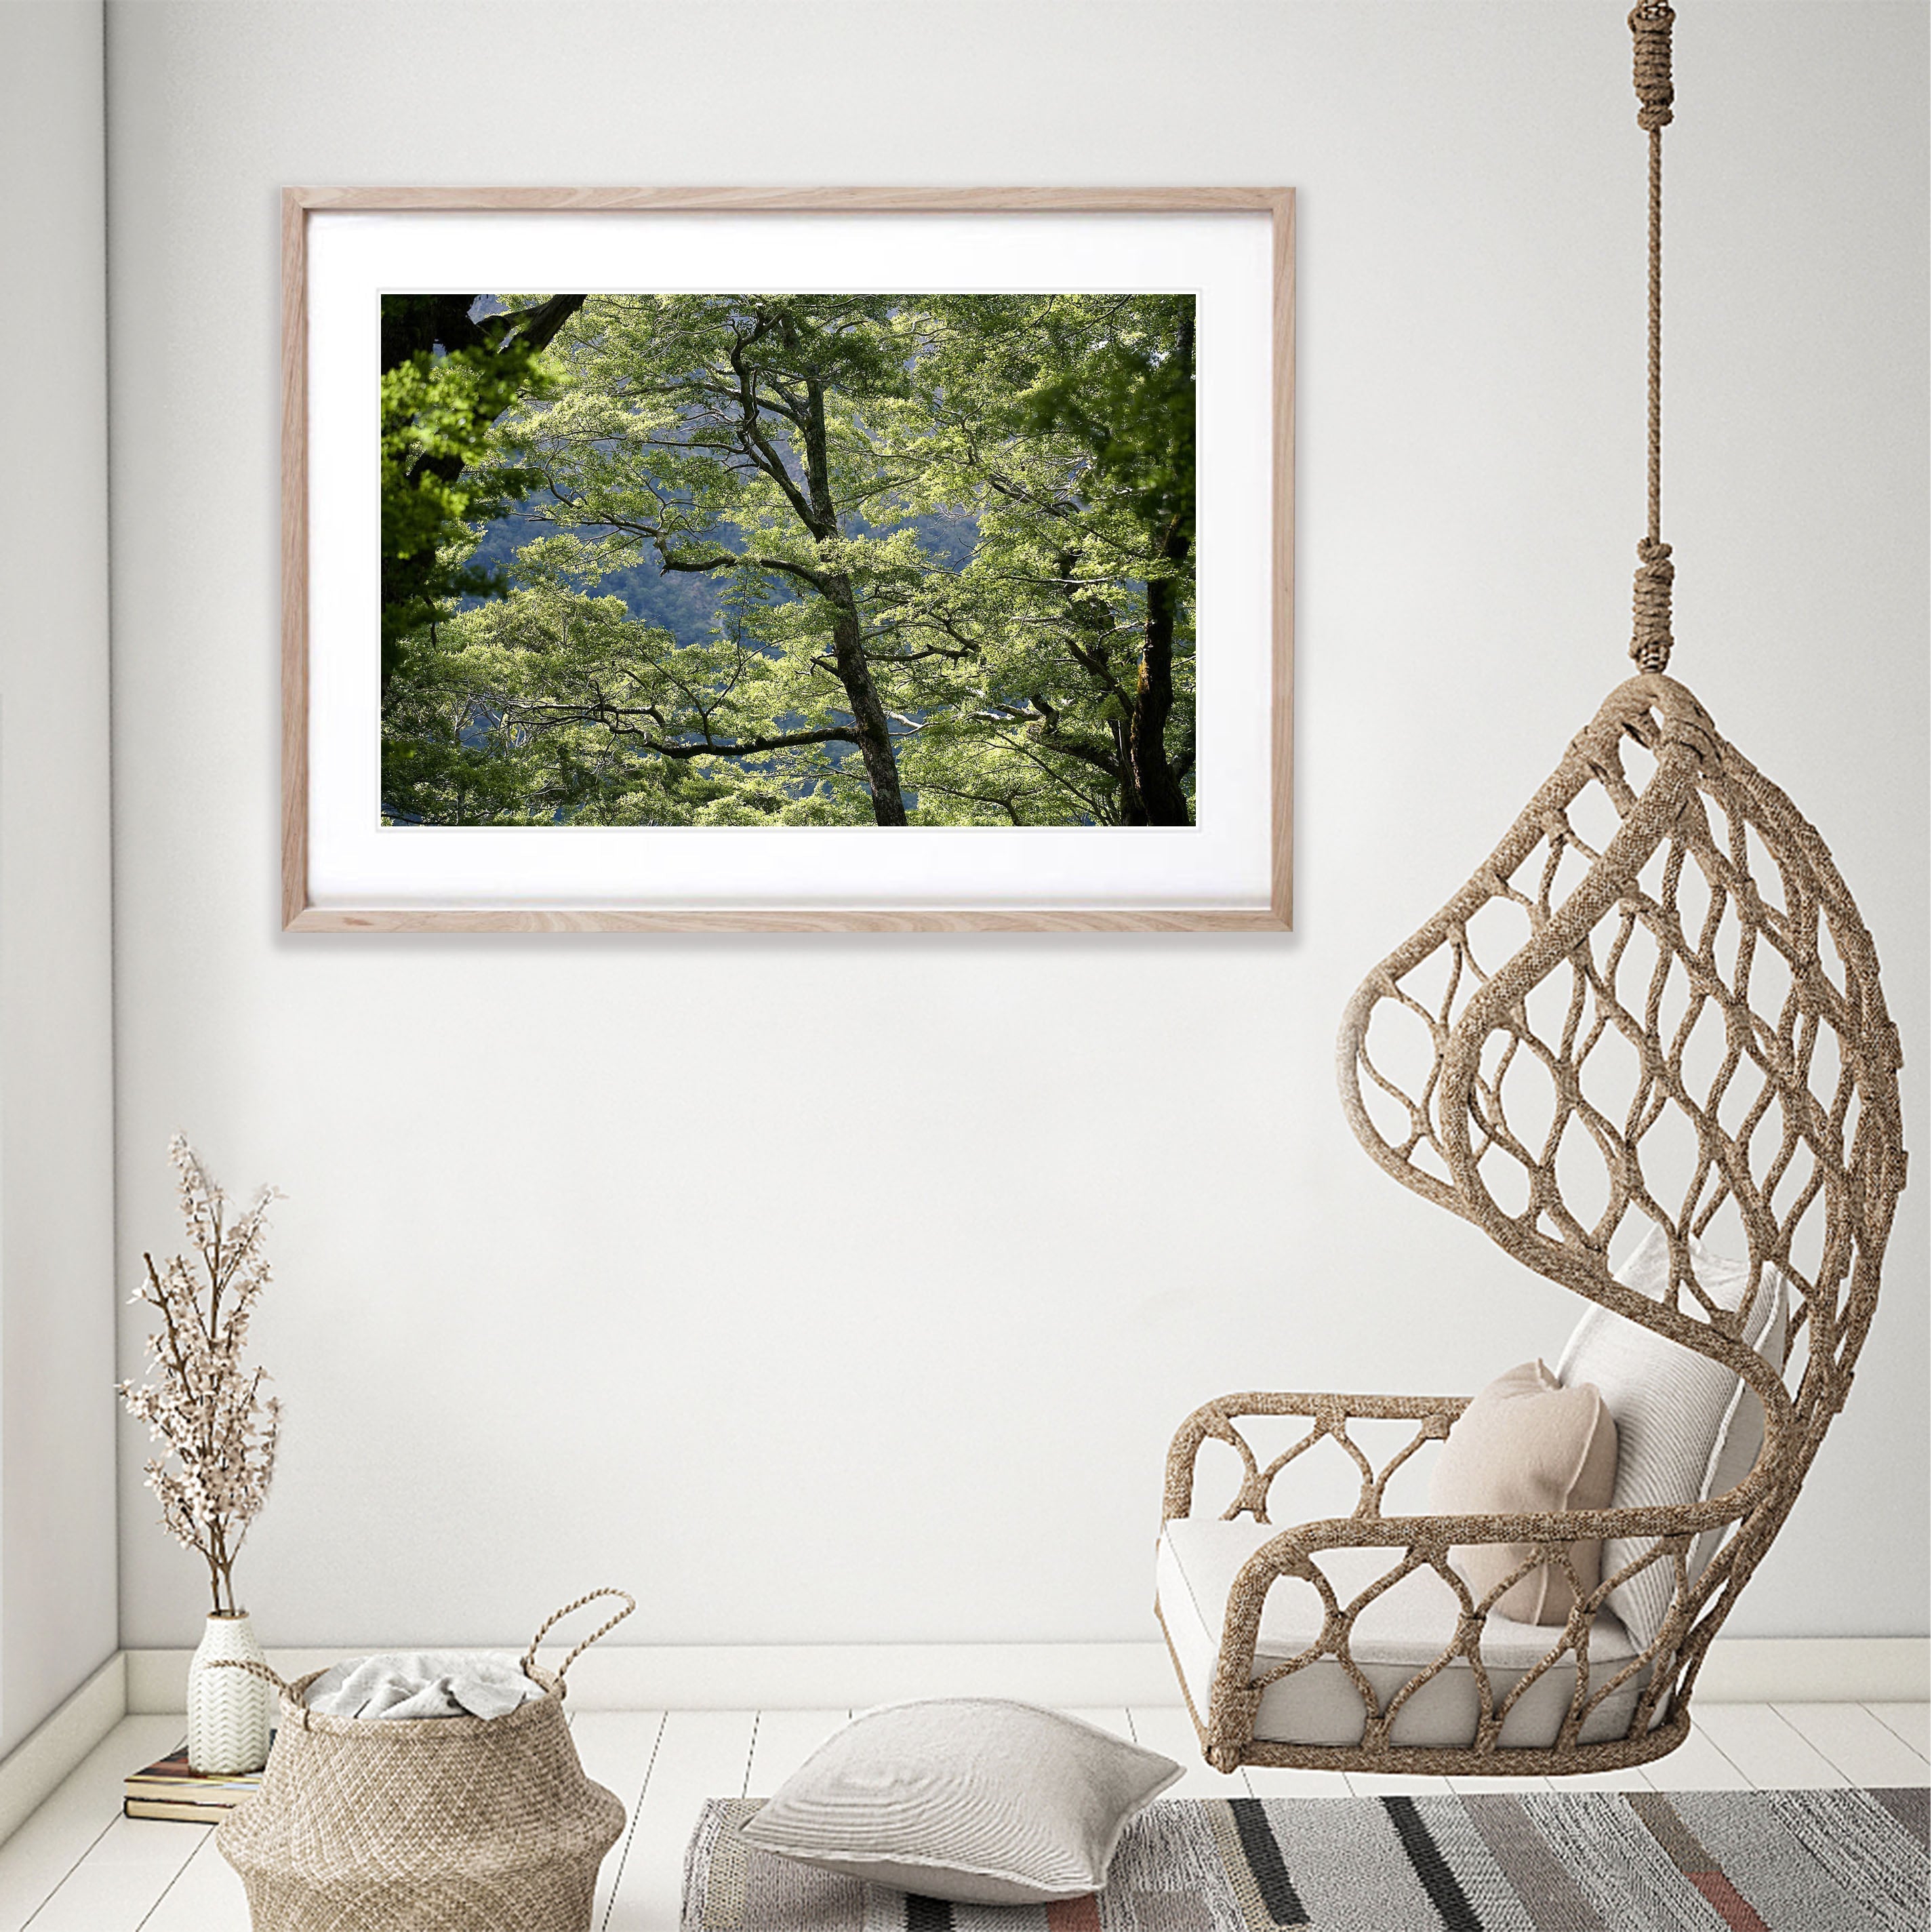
x: 1651, y: 640
x: 1650, y: 25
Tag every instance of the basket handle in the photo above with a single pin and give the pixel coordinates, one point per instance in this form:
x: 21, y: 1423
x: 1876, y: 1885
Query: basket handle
x: 254, y: 1669
x: 630, y: 1603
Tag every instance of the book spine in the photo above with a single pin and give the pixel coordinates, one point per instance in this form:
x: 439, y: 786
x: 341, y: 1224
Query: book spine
x: 201, y: 1791
x: 171, y: 1812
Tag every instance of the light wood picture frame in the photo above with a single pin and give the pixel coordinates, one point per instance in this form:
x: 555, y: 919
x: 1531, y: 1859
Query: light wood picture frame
x: 1229, y: 868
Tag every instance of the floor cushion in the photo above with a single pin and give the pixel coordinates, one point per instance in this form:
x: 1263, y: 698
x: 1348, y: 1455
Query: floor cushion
x: 976, y: 1800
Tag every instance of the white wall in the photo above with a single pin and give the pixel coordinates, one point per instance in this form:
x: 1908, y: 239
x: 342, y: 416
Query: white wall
x: 57, y: 1504
x: 596, y: 1264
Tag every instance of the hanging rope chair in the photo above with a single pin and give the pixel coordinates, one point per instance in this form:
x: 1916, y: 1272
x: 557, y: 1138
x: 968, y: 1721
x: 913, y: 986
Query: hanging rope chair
x: 1653, y: 1010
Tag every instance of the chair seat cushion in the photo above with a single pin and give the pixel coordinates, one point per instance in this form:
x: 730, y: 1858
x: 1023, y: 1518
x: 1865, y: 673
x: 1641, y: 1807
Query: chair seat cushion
x: 1404, y: 1630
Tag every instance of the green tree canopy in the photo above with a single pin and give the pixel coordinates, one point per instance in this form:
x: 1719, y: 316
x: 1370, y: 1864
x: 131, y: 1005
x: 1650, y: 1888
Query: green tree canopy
x: 947, y: 541
x: 446, y: 377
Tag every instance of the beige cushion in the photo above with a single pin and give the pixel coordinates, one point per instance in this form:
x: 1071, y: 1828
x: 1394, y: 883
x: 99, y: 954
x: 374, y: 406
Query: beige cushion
x: 1406, y: 1628
x: 970, y: 1799
x: 1527, y: 1445
x: 1687, y: 1429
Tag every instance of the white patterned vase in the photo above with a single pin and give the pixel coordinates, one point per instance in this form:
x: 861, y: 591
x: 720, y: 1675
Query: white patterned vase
x: 229, y: 1712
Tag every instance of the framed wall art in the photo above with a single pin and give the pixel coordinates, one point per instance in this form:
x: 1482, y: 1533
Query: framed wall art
x: 786, y: 559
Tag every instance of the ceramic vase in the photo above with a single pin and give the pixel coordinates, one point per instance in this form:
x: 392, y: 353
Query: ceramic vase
x: 229, y: 1712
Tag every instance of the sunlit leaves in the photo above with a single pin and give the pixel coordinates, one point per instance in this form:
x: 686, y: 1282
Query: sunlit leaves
x: 972, y: 492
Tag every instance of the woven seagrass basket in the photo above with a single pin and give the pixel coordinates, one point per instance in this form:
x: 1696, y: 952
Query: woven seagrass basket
x: 435, y: 1825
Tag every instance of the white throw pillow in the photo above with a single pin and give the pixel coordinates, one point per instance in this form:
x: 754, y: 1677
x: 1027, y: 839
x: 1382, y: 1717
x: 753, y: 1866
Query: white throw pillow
x: 1687, y: 1429
x: 973, y: 1800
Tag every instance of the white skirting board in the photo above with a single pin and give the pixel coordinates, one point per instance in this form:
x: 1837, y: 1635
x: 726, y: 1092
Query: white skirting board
x: 645, y: 1677
x: 32, y: 1771
x: 772, y: 1677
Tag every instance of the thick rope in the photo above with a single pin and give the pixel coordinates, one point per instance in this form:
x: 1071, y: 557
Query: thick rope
x: 1650, y: 606
x: 1651, y: 641
x: 255, y: 1668
x: 630, y: 1603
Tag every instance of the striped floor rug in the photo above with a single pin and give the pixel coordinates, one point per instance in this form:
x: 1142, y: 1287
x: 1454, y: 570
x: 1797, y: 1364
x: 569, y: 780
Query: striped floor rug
x: 1564, y: 1861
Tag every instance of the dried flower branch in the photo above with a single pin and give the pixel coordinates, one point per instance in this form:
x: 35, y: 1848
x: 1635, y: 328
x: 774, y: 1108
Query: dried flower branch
x: 220, y: 1431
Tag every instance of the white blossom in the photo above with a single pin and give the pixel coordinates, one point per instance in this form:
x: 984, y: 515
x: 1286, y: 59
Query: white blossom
x: 219, y: 1430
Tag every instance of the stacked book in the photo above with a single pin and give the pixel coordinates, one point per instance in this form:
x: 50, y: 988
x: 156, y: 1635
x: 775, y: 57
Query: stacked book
x: 171, y: 1789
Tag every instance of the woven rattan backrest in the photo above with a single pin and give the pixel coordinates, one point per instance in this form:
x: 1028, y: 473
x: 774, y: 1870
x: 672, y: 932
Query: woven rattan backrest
x: 1655, y: 1003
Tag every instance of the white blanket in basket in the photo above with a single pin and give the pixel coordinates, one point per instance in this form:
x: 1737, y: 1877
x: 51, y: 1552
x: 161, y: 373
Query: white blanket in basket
x: 421, y: 1684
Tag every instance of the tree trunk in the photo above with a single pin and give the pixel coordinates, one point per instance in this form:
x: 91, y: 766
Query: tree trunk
x: 848, y: 647
x: 868, y: 715
x: 1161, y: 796
x: 1133, y: 811
x: 1091, y: 657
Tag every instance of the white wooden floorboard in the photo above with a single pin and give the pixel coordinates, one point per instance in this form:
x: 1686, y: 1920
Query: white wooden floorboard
x: 1854, y: 1743
x: 1478, y: 1787
x: 1911, y: 1722
x: 57, y: 1837
x: 783, y: 1741
x: 1396, y: 1784
x: 1277, y: 1781
x: 1696, y: 1764
x: 615, y: 1749
x: 1113, y: 1718
x: 1633, y: 1777
x: 77, y: 1866
x: 1766, y: 1749
x: 701, y: 1754
x: 1167, y: 1728
x: 205, y: 1896
x: 126, y: 1869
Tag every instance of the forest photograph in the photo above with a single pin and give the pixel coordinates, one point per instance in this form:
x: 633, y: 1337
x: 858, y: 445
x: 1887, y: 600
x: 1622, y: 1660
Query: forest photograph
x: 678, y: 559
